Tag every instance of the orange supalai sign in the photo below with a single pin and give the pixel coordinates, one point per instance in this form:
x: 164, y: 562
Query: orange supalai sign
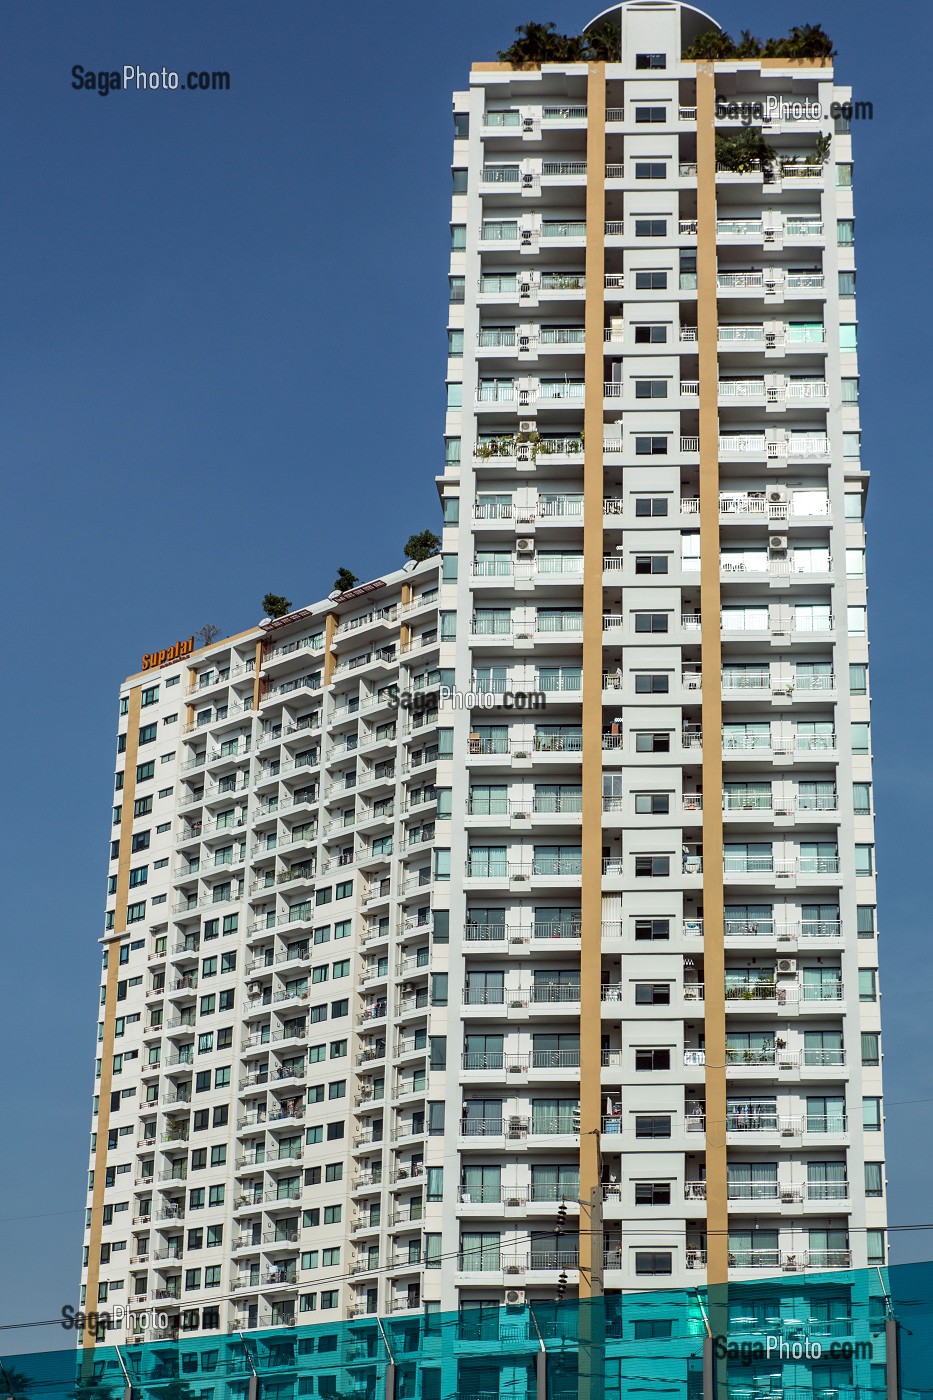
x: 153, y: 659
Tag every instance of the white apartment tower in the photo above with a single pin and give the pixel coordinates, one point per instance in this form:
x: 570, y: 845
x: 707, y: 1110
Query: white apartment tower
x: 505, y: 928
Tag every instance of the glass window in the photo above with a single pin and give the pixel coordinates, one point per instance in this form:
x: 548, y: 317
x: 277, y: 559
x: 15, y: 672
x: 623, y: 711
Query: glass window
x: 867, y: 985
x: 865, y: 920
x: 861, y: 797
x: 874, y: 1178
x: 876, y: 1253
x: 871, y: 1115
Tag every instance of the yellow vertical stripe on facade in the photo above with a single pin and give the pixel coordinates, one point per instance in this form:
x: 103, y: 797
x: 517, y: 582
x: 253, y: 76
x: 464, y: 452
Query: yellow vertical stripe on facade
x: 592, y: 756
x: 257, y: 682
x: 404, y: 631
x: 330, y: 660
x: 110, y: 1008
x: 714, y: 977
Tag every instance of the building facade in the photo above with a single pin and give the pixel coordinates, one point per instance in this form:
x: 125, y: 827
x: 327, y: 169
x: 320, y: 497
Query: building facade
x: 578, y: 817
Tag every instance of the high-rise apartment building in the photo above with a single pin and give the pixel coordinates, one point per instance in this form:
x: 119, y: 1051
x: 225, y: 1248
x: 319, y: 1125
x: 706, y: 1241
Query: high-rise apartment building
x: 505, y: 928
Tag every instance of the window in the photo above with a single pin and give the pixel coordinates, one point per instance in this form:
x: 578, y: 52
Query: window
x: 651, y: 60
x: 653, y: 1193
x: 875, y: 1240
x: 652, y: 930
x: 651, y: 446
x: 846, y: 288
x: 644, y: 1329
x: 454, y: 395
x: 650, y: 114
x: 142, y: 807
x: 652, y: 867
x: 653, y: 804
x: 651, y: 388
x: 140, y: 842
x: 139, y: 876
x: 650, y: 1058
x: 843, y: 174
x: 652, y: 743
x: 853, y: 505
x: 135, y: 913
x: 658, y: 1261
x: 148, y: 733
x: 851, y: 445
x: 649, y: 281
x: 864, y: 860
x: 650, y: 170
x: 650, y: 228
x: 868, y: 984
x: 651, y: 506
x: 650, y: 563
x: 460, y: 180
x: 865, y: 920
x: 455, y: 344
x: 859, y: 738
x: 848, y: 336
x: 874, y: 1178
x: 871, y: 1115
x: 845, y: 232
x: 861, y: 799
x: 145, y: 771
x: 652, y: 335
x: 871, y: 1046
x: 652, y: 685
x: 651, y: 622
x: 457, y: 288
x: 652, y: 994
x: 457, y: 237
x: 461, y: 126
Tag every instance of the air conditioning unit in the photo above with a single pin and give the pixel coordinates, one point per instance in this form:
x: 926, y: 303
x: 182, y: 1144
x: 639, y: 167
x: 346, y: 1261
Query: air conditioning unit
x: 777, y: 495
x: 515, y: 1297
x: 524, y: 545
x: 787, y: 964
x: 790, y: 1263
x: 777, y: 544
x: 526, y: 425
x: 788, y: 1130
x: 528, y: 123
x: 788, y: 1193
x: 526, y: 235
x: 524, y: 289
x: 255, y: 988
x: 524, y: 342
x: 528, y: 180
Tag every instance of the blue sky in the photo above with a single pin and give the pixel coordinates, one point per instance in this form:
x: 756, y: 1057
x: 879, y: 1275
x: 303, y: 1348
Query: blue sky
x: 222, y: 337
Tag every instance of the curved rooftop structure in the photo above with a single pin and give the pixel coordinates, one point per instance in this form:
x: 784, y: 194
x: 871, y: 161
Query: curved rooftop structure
x: 693, y: 22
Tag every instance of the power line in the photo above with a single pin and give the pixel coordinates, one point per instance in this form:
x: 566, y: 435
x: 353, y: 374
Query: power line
x: 456, y: 1253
